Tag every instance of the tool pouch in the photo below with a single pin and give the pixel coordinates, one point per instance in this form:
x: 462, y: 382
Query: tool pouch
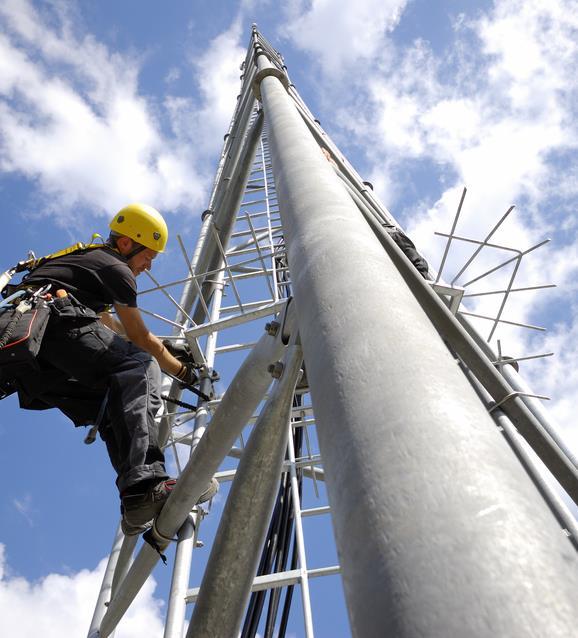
x: 20, y: 337
x: 70, y: 317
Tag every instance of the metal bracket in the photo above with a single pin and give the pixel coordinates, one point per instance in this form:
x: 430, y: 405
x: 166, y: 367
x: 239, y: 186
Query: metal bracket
x: 454, y: 293
x: 515, y: 394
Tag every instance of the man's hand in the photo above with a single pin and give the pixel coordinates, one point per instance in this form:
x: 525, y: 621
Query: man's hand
x: 181, y: 352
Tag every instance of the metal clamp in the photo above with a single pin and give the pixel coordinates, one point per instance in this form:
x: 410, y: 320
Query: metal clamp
x: 263, y: 73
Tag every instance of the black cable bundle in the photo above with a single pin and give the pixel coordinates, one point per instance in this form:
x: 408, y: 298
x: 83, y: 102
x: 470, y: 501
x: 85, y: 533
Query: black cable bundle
x: 278, y: 543
x: 281, y: 537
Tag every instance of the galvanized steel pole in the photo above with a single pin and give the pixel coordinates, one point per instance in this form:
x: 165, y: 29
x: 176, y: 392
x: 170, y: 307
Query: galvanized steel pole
x: 180, y: 580
x: 175, y: 617
x: 236, y: 180
x: 106, y: 587
x: 450, y: 538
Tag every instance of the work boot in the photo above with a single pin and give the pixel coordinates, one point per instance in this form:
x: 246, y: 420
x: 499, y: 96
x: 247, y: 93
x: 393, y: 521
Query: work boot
x: 211, y: 490
x: 139, y: 510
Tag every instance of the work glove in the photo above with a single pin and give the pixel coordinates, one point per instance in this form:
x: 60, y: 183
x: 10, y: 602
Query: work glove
x: 180, y: 351
x: 187, y: 374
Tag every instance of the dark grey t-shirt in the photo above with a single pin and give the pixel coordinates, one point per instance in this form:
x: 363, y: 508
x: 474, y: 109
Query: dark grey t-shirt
x: 98, y: 278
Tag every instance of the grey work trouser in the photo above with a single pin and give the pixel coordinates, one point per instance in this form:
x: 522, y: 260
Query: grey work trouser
x: 80, y: 359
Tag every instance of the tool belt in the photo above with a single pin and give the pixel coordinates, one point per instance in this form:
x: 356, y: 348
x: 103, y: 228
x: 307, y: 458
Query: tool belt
x: 22, y: 326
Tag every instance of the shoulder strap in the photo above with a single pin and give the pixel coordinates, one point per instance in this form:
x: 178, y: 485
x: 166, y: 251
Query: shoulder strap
x: 32, y: 264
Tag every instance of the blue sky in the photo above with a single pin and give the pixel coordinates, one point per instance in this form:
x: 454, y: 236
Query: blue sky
x: 105, y: 103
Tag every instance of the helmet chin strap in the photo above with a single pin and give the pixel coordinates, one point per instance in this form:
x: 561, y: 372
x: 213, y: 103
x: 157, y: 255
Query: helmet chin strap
x: 135, y: 251
x: 112, y: 242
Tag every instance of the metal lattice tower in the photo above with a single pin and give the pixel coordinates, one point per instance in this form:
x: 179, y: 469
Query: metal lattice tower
x: 368, y: 401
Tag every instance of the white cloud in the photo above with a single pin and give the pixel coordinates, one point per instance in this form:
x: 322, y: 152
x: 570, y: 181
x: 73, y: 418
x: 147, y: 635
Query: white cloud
x: 475, y: 109
x: 342, y: 34
x: 218, y: 72
x: 534, y: 43
x: 62, y: 605
x: 173, y: 75
x: 497, y: 131
x: 73, y: 120
x: 204, y: 121
x: 521, y: 117
x: 558, y: 378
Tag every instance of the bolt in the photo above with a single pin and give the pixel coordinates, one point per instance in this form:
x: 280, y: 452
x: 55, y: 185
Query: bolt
x: 276, y: 369
x: 272, y: 328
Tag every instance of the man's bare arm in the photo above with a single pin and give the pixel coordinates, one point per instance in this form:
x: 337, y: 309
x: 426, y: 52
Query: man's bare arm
x: 136, y: 330
x: 110, y: 322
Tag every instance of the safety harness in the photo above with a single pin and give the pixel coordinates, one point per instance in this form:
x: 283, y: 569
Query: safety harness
x: 32, y: 263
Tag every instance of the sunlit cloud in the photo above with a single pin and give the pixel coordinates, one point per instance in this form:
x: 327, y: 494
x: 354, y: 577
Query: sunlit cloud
x: 74, y: 122
x: 62, y: 605
x: 342, y: 34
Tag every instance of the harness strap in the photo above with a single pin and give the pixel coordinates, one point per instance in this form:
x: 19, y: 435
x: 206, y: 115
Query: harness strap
x: 91, y: 436
x: 134, y: 252
x: 32, y: 264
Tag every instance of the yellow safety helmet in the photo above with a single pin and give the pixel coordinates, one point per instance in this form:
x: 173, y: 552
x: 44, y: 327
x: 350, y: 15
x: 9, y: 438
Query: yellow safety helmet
x: 143, y: 224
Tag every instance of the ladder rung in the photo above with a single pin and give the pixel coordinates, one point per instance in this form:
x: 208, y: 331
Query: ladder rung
x: 275, y: 581
x: 236, y: 320
x: 245, y: 233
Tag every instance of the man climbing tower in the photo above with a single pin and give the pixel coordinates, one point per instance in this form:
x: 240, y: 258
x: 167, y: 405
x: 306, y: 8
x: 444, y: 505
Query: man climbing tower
x: 96, y: 368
